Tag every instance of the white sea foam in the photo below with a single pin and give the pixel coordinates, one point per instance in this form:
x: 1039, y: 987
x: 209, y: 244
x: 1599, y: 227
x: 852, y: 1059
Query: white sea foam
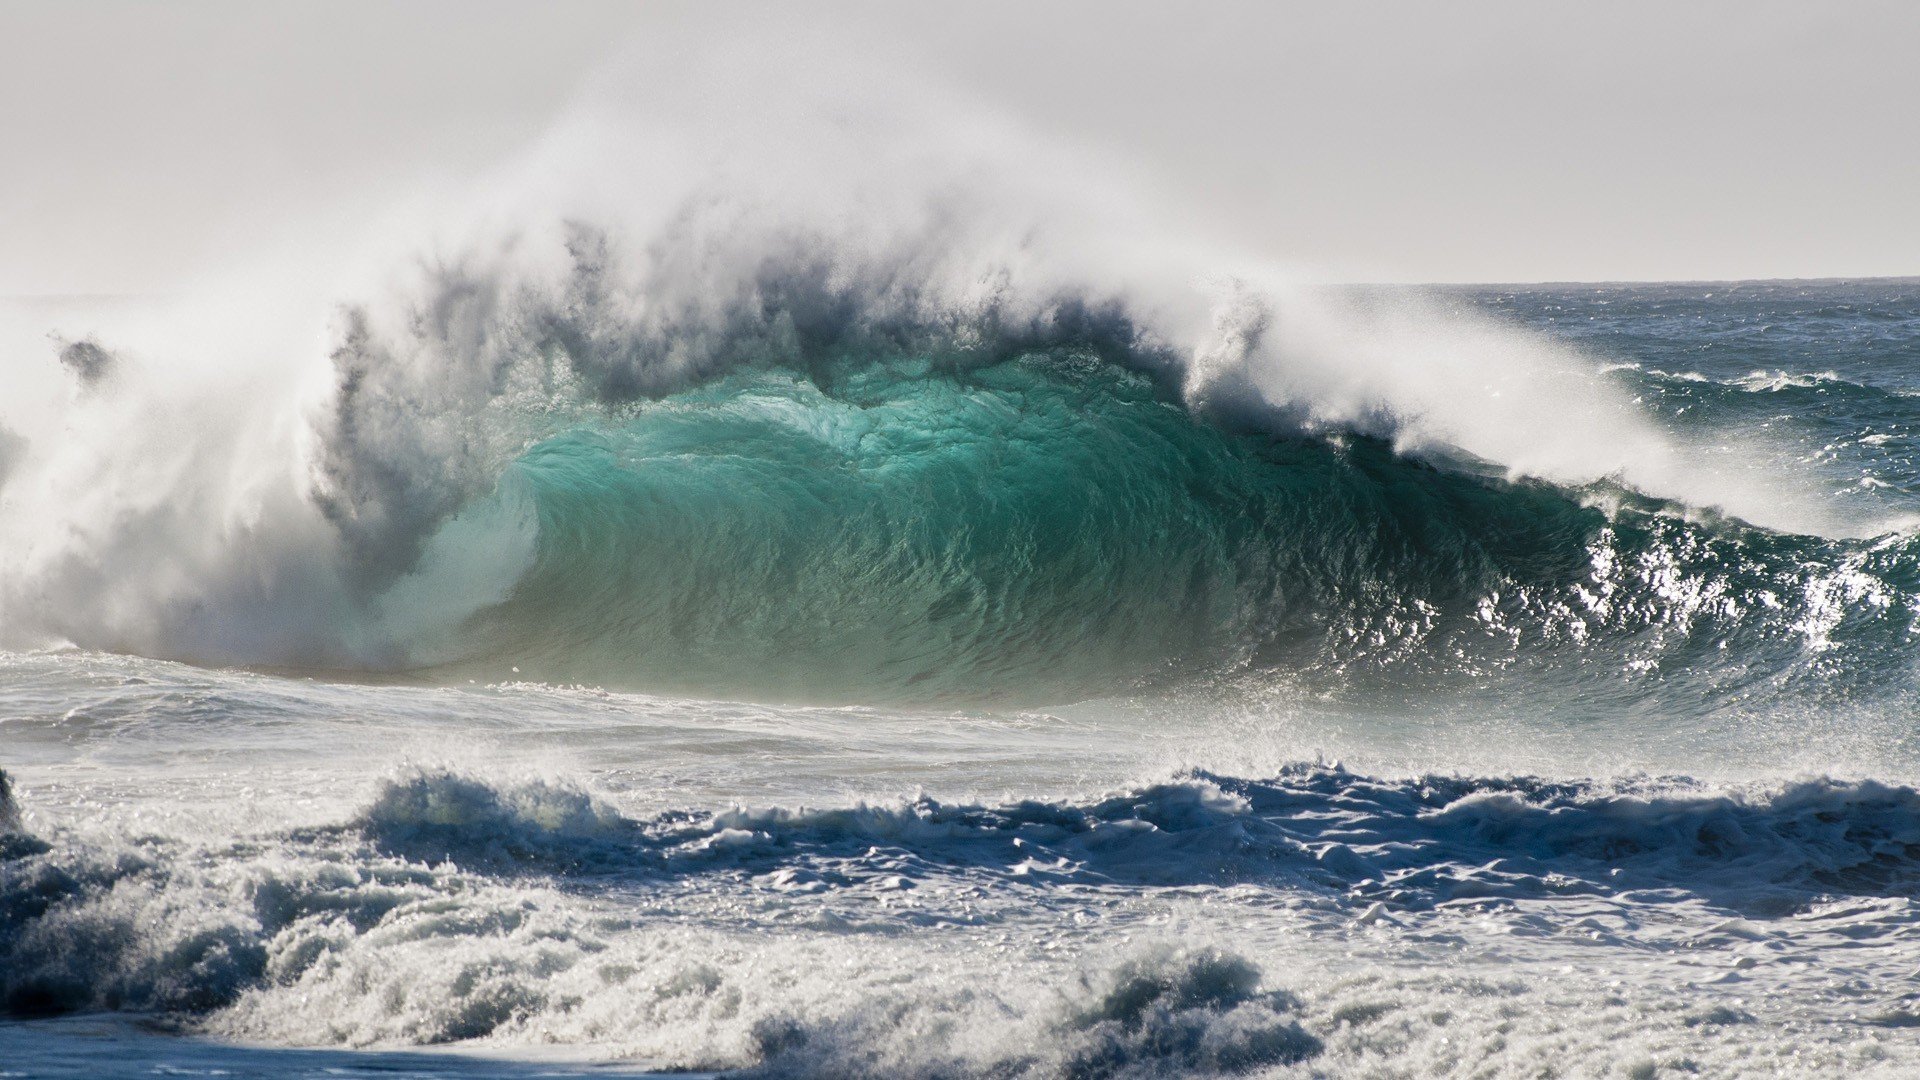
x: 1440, y: 922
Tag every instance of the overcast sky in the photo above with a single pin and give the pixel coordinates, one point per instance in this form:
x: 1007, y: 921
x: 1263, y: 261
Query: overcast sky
x: 1478, y: 141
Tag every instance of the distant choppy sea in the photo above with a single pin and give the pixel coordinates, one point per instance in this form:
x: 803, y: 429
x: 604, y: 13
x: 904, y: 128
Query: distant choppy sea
x: 837, y: 679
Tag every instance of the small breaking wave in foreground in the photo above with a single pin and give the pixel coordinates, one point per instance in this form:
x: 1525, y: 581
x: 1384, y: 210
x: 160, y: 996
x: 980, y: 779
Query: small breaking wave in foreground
x: 796, y: 942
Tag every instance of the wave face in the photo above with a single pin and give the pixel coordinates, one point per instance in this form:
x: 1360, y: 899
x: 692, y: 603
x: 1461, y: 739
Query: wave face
x: 1059, y: 524
x: 1054, y: 524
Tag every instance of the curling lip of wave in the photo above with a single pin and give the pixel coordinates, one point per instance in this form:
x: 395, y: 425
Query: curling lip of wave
x: 490, y: 353
x: 905, y: 554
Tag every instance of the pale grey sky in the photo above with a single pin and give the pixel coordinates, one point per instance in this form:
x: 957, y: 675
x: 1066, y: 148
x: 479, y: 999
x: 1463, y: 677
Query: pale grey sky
x: 1473, y: 141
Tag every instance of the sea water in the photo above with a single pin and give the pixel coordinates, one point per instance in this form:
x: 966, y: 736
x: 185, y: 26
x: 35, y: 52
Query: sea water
x: 833, y: 678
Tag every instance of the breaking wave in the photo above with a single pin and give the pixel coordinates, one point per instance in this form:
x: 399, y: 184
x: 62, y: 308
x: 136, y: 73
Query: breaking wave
x: 449, y: 908
x: 1411, y: 844
x: 821, y: 492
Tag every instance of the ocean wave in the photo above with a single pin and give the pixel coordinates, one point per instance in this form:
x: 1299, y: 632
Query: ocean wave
x: 1048, y: 519
x: 451, y: 907
x: 221, y: 939
x: 1411, y: 843
x: 1054, y: 526
x: 742, y: 453
x: 1774, y: 381
x: 1759, y: 380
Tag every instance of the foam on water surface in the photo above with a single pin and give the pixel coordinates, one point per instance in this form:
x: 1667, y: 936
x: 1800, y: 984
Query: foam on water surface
x: 1321, y: 921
